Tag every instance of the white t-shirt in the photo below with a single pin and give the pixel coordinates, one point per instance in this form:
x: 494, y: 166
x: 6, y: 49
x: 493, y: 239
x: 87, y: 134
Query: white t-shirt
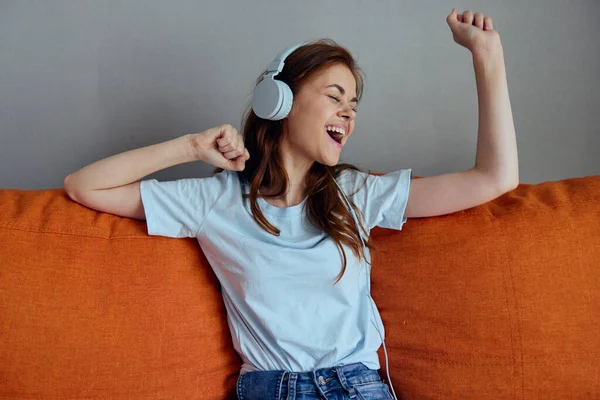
x: 283, y: 311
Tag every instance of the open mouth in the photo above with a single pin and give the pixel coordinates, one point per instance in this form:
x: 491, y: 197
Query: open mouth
x: 335, y: 136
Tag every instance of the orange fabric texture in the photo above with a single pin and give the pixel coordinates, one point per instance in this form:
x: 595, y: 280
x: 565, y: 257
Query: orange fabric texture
x: 498, y: 301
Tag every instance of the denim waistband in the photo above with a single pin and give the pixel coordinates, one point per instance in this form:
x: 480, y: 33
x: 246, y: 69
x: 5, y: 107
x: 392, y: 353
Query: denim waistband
x: 268, y: 385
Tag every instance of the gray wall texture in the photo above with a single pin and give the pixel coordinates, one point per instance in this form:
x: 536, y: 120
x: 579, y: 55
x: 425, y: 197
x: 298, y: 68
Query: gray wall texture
x: 83, y: 80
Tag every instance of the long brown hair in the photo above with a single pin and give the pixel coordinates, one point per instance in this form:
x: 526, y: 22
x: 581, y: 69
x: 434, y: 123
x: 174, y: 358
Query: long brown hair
x: 325, y: 207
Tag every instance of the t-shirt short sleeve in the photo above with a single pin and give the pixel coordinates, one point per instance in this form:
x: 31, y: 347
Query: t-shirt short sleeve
x: 382, y: 199
x: 178, y: 208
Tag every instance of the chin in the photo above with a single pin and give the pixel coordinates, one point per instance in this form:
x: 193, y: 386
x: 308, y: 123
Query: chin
x: 331, y: 163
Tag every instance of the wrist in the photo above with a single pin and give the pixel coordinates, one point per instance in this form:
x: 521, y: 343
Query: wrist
x: 488, y: 60
x: 184, y: 149
x: 191, y: 148
x: 488, y: 50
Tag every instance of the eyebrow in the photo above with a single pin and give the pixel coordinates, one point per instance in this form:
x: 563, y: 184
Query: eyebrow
x: 341, y: 89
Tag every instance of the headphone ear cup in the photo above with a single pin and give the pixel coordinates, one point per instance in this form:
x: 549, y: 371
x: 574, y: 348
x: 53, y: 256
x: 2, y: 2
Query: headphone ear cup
x: 286, y: 101
x: 272, y: 99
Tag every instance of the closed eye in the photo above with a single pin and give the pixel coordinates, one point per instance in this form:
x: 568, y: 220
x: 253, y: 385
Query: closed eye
x: 338, y: 100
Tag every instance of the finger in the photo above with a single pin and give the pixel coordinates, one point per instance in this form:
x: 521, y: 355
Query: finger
x: 229, y: 140
x: 240, y: 164
x: 487, y: 24
x: 468, y: 17
x: 241, y: 160
x: 478, y: 20
x: 225, y: 144
x: 241, y: 149
x: 230, y: 155
x: 222, y: 137
x: 241, y: 140
x: 452, y: 19
x: 235, y: 139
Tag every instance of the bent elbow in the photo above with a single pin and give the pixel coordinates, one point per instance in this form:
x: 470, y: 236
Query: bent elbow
x: 69, y: 189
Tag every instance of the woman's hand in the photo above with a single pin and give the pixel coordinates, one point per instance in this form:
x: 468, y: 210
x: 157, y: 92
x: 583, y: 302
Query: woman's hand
x: 473, y: 31
x: 222, y: 146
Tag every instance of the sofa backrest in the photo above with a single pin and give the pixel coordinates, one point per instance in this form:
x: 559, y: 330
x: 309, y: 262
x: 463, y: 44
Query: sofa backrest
x: 498, y: 301
x: 93, y: 307
x: 501, y: 301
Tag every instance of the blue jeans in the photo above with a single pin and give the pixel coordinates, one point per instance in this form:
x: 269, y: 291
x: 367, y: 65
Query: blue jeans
x: 351, y: 381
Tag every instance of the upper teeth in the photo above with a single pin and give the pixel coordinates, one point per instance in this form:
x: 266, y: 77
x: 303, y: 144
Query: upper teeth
x: 336, y: 129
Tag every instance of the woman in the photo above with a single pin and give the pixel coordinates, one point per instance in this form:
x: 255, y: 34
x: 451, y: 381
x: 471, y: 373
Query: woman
x: 275, y: 220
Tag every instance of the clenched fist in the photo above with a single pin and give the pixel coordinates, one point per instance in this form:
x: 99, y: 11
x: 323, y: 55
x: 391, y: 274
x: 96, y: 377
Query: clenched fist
x: 473, y: 31
x: 222, y: 146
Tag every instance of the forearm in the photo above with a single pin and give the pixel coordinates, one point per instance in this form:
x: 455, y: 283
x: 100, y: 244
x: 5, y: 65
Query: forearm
x: 496, y: 142
x: 130, y: 166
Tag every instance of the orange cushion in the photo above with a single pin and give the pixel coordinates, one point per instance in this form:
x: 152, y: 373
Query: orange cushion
x: 93, y: 307
x: 501, y: 301
x: 498, y: 301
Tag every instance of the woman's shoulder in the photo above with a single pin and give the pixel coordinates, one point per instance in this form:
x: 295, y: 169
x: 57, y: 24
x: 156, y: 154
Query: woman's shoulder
x: 352, y: 176
x: 351, y: 173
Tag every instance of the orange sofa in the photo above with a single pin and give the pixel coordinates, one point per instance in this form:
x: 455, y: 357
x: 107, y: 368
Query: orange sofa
x: 501, y: 301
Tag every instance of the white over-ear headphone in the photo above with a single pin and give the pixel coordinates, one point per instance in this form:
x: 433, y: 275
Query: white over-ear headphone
x: 272, y: 99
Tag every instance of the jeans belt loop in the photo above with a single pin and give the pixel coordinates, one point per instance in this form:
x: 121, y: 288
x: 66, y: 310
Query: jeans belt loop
x: 340, y: 373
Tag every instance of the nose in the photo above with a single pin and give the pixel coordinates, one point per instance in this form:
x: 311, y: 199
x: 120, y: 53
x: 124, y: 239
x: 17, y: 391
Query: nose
x: 346, y: 112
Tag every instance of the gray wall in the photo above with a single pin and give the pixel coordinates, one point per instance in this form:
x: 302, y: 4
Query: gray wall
x: 83, y: 80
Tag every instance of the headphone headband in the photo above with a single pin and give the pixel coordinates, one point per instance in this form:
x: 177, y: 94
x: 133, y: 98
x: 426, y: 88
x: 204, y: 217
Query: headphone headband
x: 277, y: 64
